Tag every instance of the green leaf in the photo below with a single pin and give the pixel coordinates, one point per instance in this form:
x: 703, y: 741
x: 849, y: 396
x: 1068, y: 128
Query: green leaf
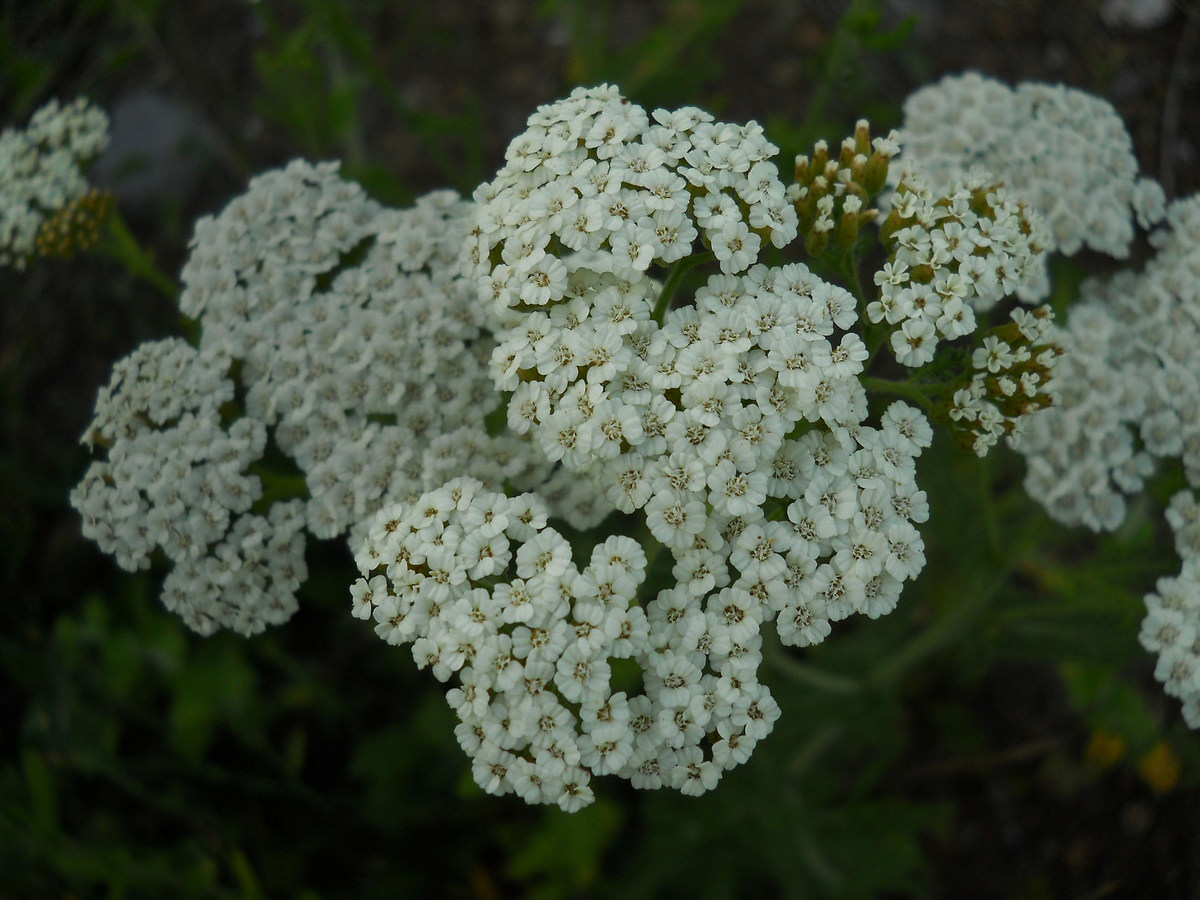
x: 43, y: 797
x: 217, y: 685
x: 565, y: 852
x: 243, y: 872
x: 1099, y: 625
x: 1110, y: 703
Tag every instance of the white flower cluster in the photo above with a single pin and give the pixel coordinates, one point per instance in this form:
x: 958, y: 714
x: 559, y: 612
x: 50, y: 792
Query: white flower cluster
x: 1063, y: 150
x: 253, y: 265
x: 360, y: 344
x: 594, y: 172
x: 735, y: 428
x: 1012, y: 376
x: 1172, y: 624
x: 176, y: 480
x: 41, y: 171
x: 1136, y: 13
x: 955, y: 250
x: 1128, y: 384
x: 482, y: 588
x: 358, y: 350
x: 593, y: 194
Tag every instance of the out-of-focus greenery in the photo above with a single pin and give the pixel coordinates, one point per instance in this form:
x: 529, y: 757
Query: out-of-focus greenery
x: 314, y: 761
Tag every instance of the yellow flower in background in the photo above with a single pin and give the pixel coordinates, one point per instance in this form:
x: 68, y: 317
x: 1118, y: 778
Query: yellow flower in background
x: 1160, y: 768
x: 1105, y: 749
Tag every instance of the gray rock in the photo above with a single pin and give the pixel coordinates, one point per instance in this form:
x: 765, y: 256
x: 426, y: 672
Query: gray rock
x: 160, y: 148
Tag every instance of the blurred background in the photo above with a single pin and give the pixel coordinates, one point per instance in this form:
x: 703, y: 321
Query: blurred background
x: 1005, y: 737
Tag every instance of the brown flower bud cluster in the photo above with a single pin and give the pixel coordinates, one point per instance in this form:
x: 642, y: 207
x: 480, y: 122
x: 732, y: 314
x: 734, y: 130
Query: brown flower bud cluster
x: 75, y: 227
x: 832, y: 194
x: 1009, y: 379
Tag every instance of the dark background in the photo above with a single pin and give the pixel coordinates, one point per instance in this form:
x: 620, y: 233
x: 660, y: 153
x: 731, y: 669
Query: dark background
x: 138, y: 760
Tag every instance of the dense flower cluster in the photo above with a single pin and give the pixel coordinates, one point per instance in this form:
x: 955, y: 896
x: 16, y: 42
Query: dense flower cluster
x: 1010, y: 379
x: 1129, y: 387
x: 594, y: 172
x: 358, y: 342
x: 482, y: 587
x: 1172, y: 624
x: 1128, y: 384
x: 1063, y: 150
x: 594, y: 193
x: 41, y: 180
x: 356, y: 350
x: 732, y: 428
x: 356, y: 366
x: 176, y: 480
x: 954, y: 250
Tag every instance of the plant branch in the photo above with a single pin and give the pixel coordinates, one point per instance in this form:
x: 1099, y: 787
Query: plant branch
x: 916, y: 393
x: 120, y: 244
x: 681, y: 268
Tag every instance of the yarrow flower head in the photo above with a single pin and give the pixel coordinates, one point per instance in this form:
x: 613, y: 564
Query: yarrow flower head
x: 348, y: 339
x: 696, y: 420
x: 1171, y: 628
x: 487, y: 593
x: 595, y: 173
x: 360, y: 343
x: 46, y: 205
x: 176, y: 479
x: 1063, y: 150
x: 1011, y: 377
x: 1128, y: 384
x: 1128, y: 394
x: 954, y: 250
x: 606, y: 298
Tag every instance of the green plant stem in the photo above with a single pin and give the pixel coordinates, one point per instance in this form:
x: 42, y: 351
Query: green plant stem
x: 1015, y: 550
x: 908, y: 391
x: 821, y: 679
x: 681, y: 268
x: 119, y: 244
x: 824, y: 871
x: 949, y: 628
x: 277, y: 487
x: 987, y: 507
x: 847, y: 267
x: 814, y: 747
x: 804, y: 673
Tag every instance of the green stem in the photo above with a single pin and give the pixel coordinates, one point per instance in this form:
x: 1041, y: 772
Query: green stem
x: 811, y: 676
x: 874, y: 335
x: 847, y: 267
x: 1014, y: 550
x: 988, y: 507
x: 814, y: 747
x: 277, y: 487
x: 949, y: 628
x: 681, y: 268
x: 955, y: 623
x: 916, y: 393
x: 120, y: 244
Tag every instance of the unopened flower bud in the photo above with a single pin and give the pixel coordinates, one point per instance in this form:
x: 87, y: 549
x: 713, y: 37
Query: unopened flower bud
x: 847, y: 229
x: 862, y: 137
